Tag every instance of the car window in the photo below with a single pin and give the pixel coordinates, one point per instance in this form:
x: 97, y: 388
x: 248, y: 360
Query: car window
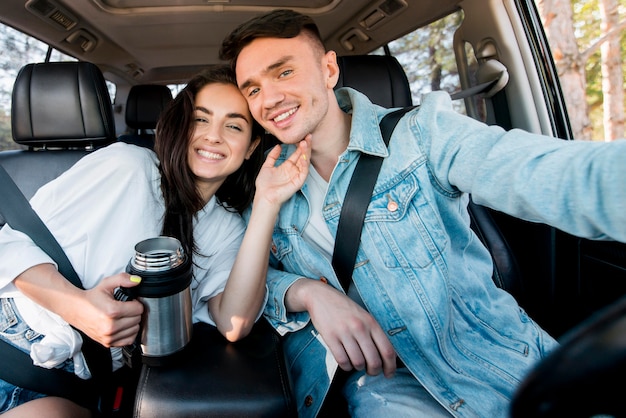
x: 19, y: 49
x: 176, y: 88
x: 427, y: 56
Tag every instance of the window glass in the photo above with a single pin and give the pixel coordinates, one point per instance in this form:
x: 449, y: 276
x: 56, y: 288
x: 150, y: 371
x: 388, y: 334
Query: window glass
x: 427, y: 56
x: 176, y: 88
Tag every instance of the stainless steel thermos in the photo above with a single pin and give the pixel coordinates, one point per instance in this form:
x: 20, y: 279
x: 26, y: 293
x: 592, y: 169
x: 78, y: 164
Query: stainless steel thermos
x: 165, y: 292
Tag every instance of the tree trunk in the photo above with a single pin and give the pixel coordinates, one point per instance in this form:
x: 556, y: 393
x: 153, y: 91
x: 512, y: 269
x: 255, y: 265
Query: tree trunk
x: 557, y: 17
x: 612, y: 79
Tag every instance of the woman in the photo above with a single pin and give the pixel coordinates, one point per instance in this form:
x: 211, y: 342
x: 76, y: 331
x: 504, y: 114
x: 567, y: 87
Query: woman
x: 201, y: 175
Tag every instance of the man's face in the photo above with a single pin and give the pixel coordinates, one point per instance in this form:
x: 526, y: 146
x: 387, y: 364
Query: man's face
x: 286, y: 83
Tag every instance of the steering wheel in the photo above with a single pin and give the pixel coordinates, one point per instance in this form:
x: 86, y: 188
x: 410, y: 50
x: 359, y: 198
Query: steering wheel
x: 583, y: 377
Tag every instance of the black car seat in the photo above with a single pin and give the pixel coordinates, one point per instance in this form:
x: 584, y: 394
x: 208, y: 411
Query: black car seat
x: 383, y: 80
x: 60, y: 111
x: 144, y: 105
x: 380, y: 77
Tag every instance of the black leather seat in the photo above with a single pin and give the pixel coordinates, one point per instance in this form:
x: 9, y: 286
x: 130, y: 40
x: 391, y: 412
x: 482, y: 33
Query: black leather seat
x: 60, y: 111
x: 384, y: 81
x: 214, y: 378
x: 144, y: 105
x: 380, y: 77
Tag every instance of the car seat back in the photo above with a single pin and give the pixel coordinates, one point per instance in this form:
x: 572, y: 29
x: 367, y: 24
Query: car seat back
x: 61, y: 111
x: 380, y: 77
x: 143, y: 107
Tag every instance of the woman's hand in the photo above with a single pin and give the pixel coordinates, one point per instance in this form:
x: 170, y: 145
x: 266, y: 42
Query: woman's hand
x: 276, y: 184
x: 103, y: 318
x: 95, y: 311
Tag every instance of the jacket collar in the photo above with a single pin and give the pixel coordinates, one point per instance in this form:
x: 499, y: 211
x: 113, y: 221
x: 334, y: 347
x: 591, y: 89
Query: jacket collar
x: 365, y: 133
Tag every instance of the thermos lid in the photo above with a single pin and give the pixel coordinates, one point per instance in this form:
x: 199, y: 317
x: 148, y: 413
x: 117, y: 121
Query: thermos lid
x: 158, y: 254
x: 163, y: 266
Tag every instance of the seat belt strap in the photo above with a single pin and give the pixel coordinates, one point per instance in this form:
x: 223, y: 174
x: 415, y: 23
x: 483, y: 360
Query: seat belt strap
x: 474, y: 90
x: 19, y: 214
x: 19, y: 370
x: 356, y: 201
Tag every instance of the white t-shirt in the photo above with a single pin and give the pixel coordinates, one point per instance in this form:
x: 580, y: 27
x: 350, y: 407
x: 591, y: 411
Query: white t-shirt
x: 316, y: 231
x: 100, y: 208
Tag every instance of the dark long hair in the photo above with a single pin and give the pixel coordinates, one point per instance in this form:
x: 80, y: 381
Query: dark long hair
x: 178, y: 183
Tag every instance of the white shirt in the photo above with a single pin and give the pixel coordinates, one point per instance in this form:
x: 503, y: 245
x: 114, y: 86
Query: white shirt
x: 99, y: 209
x: 316, y: 231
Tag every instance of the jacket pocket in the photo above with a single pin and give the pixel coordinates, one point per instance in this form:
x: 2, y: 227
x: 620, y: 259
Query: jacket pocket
x: 490, y: 351
x: 13, y: 328
x: 404, y: 226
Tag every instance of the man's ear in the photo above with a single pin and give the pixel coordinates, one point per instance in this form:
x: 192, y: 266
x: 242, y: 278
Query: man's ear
x: 330, y: 63
x: 255, y: 143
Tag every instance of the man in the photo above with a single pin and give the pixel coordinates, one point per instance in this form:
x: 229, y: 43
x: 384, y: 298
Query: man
x: 423, y: 329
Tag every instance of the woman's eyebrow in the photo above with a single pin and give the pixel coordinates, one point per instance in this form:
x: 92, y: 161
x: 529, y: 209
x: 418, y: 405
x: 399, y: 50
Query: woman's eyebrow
x: 203, y: 110
x: 231, y: 115
x: 238, y: 115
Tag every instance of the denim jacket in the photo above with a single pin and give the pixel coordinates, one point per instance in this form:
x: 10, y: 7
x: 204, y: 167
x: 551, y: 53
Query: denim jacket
x: 420, y: 270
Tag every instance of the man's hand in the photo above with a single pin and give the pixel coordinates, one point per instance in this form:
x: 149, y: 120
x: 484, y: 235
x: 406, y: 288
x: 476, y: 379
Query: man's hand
x: 353, y: 336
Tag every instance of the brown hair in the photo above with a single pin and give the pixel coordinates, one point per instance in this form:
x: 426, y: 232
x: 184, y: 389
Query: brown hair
x: 282, y: 23
x: 173, y: 134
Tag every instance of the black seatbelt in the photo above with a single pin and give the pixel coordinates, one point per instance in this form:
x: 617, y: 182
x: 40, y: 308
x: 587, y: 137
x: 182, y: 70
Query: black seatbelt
x: 18, y: 367
x: 18, y: 213
x: 356, y: 201
x: 473, y: 91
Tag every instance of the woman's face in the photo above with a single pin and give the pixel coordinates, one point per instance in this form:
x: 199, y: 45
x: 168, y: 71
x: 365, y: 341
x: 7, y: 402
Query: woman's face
x: 221, y: 139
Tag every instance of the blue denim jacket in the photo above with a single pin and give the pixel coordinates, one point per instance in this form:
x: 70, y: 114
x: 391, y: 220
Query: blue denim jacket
x: 420, y: 270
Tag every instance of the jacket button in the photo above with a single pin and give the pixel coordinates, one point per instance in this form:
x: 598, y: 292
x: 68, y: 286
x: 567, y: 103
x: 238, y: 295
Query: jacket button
x: 274, y: 249
x: 324, y: 280
x: 308, y: 401
x: 392, y: 206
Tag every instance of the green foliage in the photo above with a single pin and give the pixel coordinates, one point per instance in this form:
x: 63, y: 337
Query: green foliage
x: 427, y: 57
x: 587, y: 28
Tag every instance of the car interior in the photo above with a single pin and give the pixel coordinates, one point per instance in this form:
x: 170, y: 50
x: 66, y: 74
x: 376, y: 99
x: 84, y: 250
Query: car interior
x: 143, y: 107
x: 60, y: 111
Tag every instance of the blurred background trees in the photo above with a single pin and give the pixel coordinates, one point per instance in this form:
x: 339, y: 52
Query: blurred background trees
x: 588, y: 41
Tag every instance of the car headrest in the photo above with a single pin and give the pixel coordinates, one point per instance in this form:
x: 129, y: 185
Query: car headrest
x: 61, y: 104
x: 380, y: 77
x: 144, y: 105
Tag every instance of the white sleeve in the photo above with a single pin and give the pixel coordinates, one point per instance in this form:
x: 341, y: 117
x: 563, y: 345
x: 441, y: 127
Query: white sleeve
x: 218, y: 235
x: 88, y: 209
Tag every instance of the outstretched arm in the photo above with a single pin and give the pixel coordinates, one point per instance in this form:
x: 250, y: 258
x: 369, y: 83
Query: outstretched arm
x: 235, y: 310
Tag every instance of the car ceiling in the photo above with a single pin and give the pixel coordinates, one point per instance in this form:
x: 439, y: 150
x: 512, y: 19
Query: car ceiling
x: 167, y: 41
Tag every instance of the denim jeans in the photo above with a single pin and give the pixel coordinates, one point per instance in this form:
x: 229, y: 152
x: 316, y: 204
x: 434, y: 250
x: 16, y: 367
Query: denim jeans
x: 401, y: 396
x: 14, y: 330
